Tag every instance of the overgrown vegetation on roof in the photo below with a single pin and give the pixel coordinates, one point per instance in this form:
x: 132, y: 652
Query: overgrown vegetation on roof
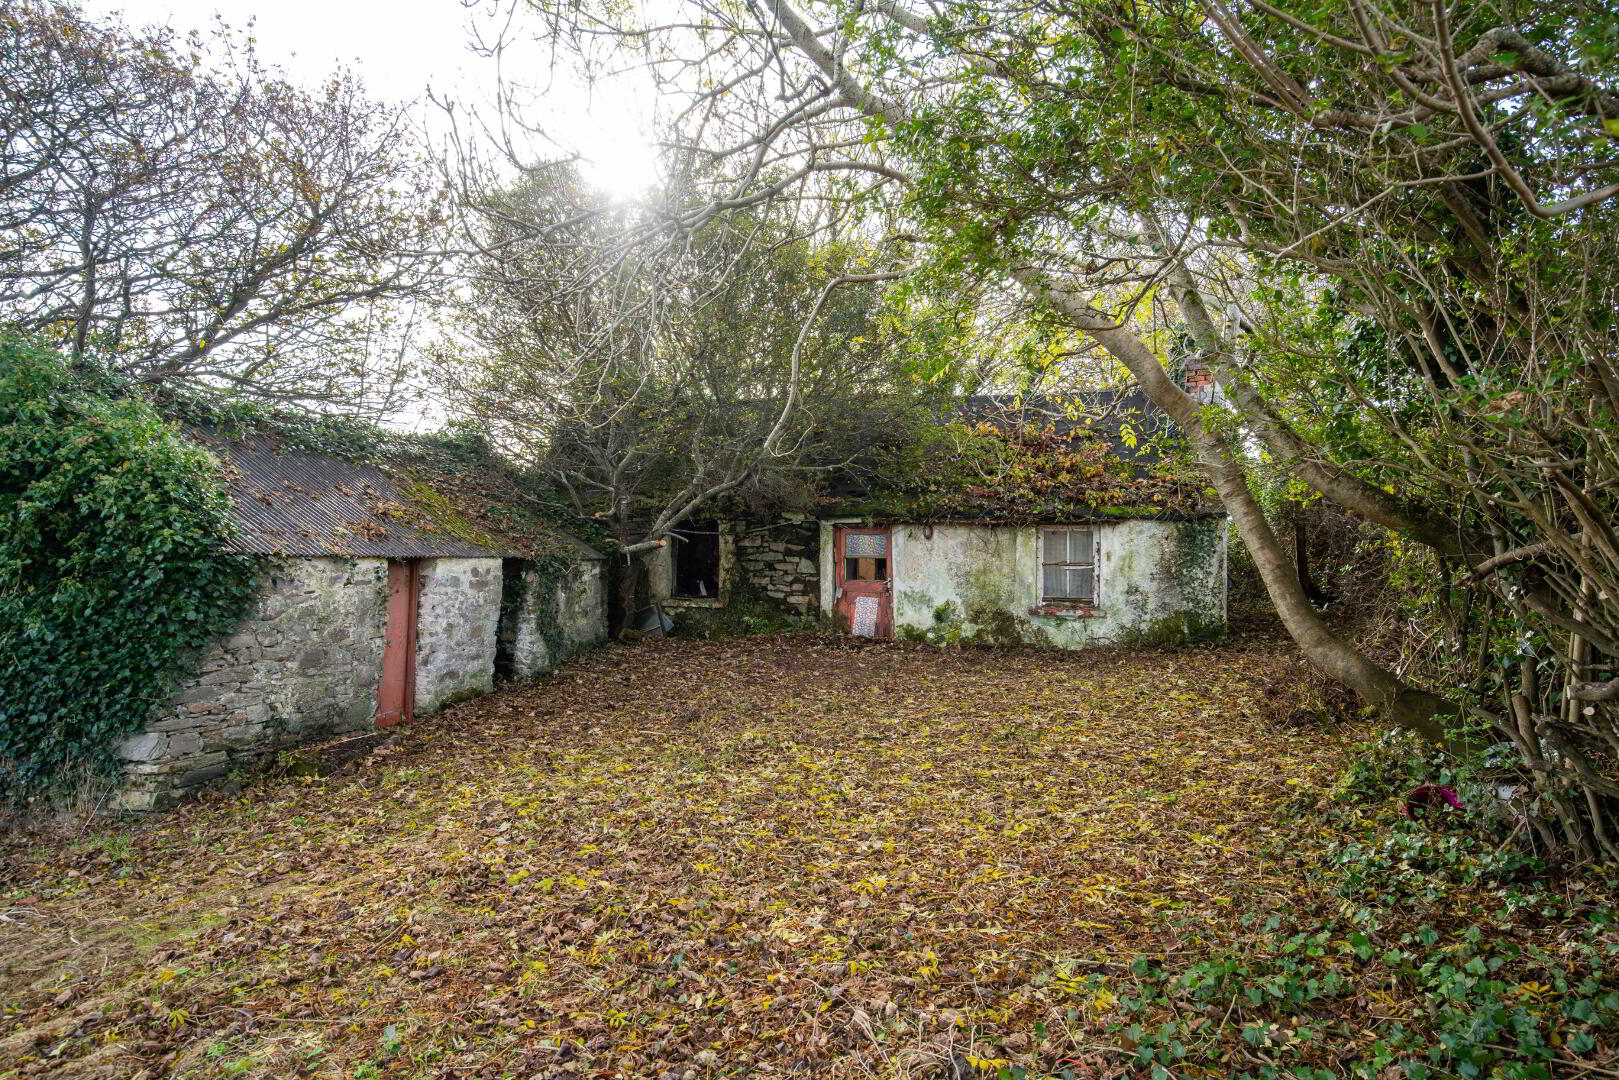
x: 456, y: 484
x: 1027, y: 473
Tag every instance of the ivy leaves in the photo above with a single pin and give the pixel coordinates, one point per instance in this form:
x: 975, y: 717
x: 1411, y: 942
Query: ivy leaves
x: 110, y: 568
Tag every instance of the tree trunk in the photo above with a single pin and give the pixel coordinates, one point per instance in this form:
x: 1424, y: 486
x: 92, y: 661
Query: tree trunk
x: 627, y: 593
x: 1406, y: 706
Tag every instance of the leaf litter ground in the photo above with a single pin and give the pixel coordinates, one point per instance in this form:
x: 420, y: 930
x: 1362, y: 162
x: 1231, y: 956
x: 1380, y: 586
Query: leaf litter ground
x: 763, y: 857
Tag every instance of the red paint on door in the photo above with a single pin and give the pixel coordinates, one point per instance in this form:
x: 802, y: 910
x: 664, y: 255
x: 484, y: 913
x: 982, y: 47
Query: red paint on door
x: 863, y: 564
x: 396, y: 695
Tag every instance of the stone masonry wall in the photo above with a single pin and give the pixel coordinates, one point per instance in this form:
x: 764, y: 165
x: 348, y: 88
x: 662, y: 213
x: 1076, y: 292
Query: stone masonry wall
x: 458, y: 618
x: 550, y: 628
x: 780, y: 561
x: 303, y: 665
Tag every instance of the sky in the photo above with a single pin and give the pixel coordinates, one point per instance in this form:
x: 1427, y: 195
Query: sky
x: 400, y: 47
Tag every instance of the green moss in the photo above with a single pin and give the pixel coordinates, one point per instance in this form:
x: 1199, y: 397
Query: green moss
x: 443, y: 517
x: 996, y: 625
x: 1182, y: 628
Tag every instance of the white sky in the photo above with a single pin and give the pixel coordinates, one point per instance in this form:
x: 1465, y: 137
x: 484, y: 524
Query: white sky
x: 400, y: 47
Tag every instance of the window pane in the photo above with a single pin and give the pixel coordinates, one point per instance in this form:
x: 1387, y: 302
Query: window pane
x: 1079, y: 545
x: 1081, y: 583
x: 1056, y: 546
x: 865, y: 546
x: 1052, y: 583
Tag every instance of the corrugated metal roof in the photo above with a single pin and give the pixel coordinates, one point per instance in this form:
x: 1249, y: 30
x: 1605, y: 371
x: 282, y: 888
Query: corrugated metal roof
x: 291, y: 502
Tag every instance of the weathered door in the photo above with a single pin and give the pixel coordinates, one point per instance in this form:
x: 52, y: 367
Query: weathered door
x: 865, y: 571
x: 396, y: 696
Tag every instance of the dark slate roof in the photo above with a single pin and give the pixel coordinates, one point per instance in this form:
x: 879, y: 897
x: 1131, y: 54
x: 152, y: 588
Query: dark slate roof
x: 292, y: 502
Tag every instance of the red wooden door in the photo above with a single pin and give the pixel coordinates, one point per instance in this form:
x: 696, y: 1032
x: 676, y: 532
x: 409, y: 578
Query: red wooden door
x: 865, y: 579
x: 396, y: 695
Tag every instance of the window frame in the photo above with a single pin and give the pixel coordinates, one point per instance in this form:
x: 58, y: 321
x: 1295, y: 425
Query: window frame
x: 678, y: 541
x: 1094, y: 566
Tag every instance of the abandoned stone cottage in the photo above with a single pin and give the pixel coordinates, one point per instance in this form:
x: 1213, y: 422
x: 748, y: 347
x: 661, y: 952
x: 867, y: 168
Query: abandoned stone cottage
x: 380, y: 602
x: 1081, y: 573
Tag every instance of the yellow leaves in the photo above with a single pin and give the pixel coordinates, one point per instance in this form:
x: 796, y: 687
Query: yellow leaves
x: 869, y: 846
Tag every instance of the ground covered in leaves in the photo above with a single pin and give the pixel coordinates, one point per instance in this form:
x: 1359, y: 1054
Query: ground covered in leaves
x: 789, y: 857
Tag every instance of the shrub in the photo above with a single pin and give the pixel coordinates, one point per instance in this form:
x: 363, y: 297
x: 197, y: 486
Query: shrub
x: 111, y: 571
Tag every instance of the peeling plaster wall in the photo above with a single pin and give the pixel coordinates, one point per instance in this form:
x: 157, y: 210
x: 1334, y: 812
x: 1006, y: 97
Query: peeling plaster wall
x: 303, y: 665
x: 554, y: 622
x: 1158, y: 581
x: 458, y: 618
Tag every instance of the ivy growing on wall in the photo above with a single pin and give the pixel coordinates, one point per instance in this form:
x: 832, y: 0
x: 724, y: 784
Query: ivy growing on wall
x: 111, y: 571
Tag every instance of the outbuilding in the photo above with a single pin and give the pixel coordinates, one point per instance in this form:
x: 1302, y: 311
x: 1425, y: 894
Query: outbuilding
x: 384, y: 597
x: 1066, y: 583
x: 1075, y: 522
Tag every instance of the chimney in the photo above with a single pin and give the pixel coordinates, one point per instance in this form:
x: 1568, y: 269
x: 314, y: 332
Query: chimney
x: 1197, y: 379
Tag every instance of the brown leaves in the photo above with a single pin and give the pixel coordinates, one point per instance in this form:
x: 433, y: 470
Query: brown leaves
x: 683, y: 858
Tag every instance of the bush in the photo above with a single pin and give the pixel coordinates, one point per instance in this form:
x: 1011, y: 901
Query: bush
x: 111, y: 573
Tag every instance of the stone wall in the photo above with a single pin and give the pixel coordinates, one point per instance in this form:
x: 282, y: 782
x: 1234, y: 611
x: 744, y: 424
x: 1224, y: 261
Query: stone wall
x: 779, y: 561
x: 555, y: 618
x: 303, y: 665
x: 458, y: 617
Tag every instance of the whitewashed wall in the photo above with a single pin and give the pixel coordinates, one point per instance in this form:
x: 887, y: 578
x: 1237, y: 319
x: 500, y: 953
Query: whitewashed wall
x: 1157, y: 580
x: 458, y: 617
x: 553, y: 623
x: 302, y: 665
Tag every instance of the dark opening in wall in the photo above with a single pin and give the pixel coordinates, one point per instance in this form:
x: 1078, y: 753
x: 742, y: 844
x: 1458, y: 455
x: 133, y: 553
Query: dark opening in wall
x: 511, y: 609
x: 696, y: 556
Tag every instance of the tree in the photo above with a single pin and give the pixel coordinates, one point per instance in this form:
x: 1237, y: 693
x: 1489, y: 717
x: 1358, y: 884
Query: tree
x: 1401, y: 211
x: 647, y: 381
x: 211, y: 226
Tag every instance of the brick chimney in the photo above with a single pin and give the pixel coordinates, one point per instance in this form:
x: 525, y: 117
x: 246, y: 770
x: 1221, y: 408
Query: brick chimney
x: 1198, y: 380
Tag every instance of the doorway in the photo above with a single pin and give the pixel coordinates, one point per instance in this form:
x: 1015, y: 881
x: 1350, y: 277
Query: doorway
x: 396, y: 694
x: 864, y: 569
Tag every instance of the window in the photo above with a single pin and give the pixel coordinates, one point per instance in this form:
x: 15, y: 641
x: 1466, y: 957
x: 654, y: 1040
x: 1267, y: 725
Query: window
x: 696, y: 559
x: 865, y: 556
x: 1067, y: 566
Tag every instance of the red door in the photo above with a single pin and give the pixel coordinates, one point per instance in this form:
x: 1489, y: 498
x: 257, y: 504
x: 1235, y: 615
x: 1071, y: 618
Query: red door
x: 396, y: 696
x: 865, y: 572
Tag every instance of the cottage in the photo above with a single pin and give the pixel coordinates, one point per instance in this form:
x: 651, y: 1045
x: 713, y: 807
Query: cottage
x: 1066, y: 583
x: 381, y: 601
x: 1106, y: 550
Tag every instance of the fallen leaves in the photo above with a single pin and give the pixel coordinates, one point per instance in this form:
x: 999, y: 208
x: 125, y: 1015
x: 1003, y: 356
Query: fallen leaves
x: 765, y: 857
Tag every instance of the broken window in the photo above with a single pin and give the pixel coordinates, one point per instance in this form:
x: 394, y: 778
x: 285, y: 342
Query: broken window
x: 865, y: 556
x: 1068, y: 566
x: 696, y: 558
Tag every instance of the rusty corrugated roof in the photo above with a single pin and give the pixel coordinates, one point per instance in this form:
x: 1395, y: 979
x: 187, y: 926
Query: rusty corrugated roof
x: 292, y: 502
